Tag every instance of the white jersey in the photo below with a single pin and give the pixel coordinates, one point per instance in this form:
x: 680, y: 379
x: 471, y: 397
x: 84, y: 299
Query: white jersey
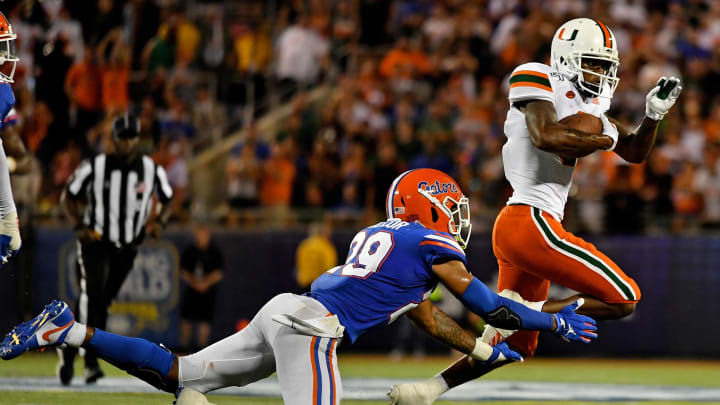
x: 541, y: 179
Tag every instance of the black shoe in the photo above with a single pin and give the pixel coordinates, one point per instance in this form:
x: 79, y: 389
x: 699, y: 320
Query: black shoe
x: 65, y: 369
x: 65, y: 372
x: 93, y: 374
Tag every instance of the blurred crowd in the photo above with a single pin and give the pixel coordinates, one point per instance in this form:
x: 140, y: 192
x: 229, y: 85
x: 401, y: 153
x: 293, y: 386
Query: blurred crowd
x: 417, y: 83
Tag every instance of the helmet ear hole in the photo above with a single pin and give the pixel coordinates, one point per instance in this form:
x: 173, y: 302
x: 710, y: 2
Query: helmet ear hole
x: 434, y: 213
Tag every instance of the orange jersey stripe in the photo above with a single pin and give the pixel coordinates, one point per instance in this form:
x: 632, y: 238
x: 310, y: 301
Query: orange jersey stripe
x: 530, y: 72
x: 445, y: 245
x: 332, y: 374
x: 530, y: 84
x: 314, y: 369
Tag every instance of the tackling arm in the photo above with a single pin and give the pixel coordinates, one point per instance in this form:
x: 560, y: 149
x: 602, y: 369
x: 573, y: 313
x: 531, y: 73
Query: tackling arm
x: 498, y: 311
x: 547, y: 134
x: 430, y: 319
x: 437, y: 324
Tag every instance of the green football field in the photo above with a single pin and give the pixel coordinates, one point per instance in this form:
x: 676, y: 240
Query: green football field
x: 667, y: 373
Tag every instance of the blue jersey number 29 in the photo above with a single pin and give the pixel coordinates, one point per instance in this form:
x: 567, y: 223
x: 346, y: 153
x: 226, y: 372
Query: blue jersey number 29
x: 367, y: 254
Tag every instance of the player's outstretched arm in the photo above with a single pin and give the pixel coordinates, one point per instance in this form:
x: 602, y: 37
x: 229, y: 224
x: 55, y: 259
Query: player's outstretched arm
x: 508, y: 314
x: 547, y: 134
x: 432, y: 320
x: 635, y: 146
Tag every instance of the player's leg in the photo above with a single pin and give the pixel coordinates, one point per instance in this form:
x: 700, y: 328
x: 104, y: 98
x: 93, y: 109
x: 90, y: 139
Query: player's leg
x: 9, y: 231
x: 242, y: 358
x: 570, y: 261
x: 512, y: 280
x: 307, y: 368
x: 237, y: 360
x: 466, y: 369
x: 56, y: 326
x: 120, y: 266
x: 92, y: 270
x: 119, y: 262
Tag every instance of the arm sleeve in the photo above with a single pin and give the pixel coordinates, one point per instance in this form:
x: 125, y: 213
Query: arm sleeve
x: 503, y: 312
x: 163, y: 189
x: 79, y: 180
x: 530, y: 81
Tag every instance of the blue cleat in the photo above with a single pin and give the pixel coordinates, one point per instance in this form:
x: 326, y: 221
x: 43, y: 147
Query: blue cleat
x: 45, y: 330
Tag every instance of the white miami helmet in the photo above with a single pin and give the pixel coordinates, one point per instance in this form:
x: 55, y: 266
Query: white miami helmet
x: 585, y: 38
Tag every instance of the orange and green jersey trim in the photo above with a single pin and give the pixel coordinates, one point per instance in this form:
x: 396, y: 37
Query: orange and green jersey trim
x: 607, y: 38
x: 530, y: 78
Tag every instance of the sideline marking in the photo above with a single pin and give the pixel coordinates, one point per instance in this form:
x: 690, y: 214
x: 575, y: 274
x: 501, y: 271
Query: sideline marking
x: 376, y: 388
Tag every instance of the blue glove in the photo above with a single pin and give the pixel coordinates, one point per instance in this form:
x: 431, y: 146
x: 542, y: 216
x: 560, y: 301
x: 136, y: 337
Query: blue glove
x: 502, y: 352
x: 575, y: 327
x: 7, y: 100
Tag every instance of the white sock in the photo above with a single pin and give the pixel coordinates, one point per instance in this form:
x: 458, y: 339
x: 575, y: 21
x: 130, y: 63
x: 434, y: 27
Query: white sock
x: 76, y: 335
x: 536, y: 305
x: 437, y: 385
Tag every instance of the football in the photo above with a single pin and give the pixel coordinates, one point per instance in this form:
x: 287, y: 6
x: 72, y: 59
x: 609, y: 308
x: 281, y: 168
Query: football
x: 583, y: 122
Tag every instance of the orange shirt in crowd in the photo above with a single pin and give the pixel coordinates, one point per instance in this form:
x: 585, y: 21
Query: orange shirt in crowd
x: 610, y: 161
x: 397, y: 58
x: 277, y: 182
x: 712, y: 130
x: 84, y: 80
x: 115, y: 88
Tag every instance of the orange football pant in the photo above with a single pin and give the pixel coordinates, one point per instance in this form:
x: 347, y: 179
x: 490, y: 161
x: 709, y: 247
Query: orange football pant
x: 533, y: 249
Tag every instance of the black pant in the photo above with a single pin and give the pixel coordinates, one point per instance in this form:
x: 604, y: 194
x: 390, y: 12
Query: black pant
x: 102, y: 268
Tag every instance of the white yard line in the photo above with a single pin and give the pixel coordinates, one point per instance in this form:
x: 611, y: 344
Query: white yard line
x: 375, y: 389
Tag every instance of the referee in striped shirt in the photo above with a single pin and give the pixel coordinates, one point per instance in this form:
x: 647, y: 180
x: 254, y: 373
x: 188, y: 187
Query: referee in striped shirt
x: 108, y: 200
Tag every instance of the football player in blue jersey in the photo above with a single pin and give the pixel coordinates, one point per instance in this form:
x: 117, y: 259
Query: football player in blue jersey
x: 9, y: 232
x: 390, y: 270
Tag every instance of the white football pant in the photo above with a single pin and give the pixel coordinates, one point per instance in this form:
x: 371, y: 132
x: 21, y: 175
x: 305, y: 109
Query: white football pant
x: 306, y: 365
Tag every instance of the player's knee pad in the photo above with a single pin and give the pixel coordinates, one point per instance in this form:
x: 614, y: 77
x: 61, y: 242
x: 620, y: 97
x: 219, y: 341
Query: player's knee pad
x: 154, y: 378
x: 154, y: 369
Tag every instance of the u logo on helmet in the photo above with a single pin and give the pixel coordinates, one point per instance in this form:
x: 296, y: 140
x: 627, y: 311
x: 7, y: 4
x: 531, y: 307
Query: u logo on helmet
x: 572, y: 36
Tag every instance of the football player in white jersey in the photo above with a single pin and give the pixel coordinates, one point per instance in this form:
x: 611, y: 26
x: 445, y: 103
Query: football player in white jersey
x: 529, y: 241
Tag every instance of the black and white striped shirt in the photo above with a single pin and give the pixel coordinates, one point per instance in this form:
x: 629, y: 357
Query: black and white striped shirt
x: 119, y: 195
